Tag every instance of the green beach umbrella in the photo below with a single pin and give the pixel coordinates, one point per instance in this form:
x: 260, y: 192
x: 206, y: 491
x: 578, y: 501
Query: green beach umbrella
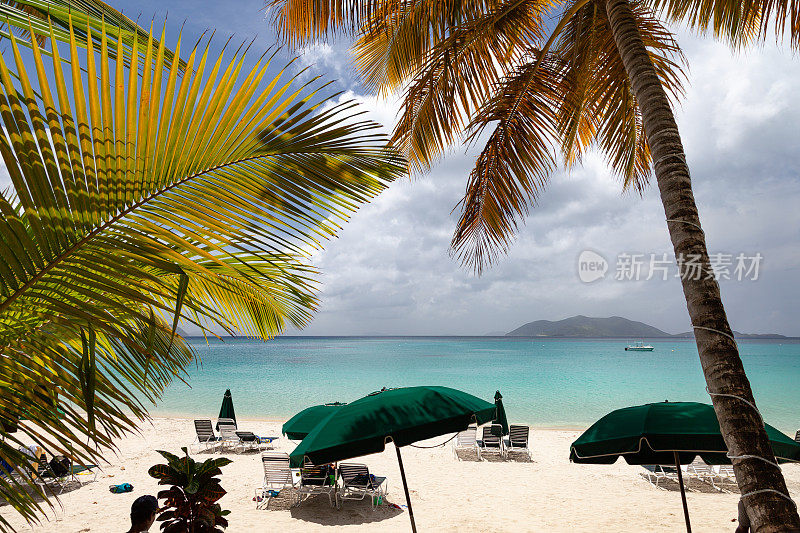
x: 666, y: 433
x: 226, y: 410
x: 500, y: 417
x: 403, y: 416
x: 301, y: 424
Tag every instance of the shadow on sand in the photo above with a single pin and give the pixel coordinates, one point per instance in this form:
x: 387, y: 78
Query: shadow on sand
x: 318, y: 510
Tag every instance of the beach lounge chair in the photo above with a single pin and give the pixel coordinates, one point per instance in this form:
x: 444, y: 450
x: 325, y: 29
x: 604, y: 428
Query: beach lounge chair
x: 227, y: 434
x: 698, y: 469
x: 657, y: 473
x: 205, y: 434
x: 491, y: 441
x: 518, y: 440
x: 467, y: 441
x: 726, y: 474
x: 248, y: 441
x: 357, y: 484
x: 46, y: 476
x: 316, y: 480
x: 277, y: 476
x: 797, y: 436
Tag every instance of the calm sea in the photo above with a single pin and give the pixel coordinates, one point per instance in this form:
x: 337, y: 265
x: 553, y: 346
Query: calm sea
x: 544, y: 382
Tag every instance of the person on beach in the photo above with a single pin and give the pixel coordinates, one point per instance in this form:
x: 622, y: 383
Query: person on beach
x: 744, y: 520
x: 143, y: 513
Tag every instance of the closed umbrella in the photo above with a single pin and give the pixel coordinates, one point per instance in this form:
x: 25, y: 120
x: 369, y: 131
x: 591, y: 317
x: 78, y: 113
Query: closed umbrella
x: 226, y: 410
x: 665, y: 433
x: 500, y: 417
x: 403, y: 416
x: 301, y: 424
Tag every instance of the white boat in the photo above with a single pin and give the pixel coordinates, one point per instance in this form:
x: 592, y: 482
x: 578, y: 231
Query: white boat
x: 639, y: 347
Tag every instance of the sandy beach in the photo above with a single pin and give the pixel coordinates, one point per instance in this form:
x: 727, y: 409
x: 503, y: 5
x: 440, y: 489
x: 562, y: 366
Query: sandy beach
x: 547, y: 494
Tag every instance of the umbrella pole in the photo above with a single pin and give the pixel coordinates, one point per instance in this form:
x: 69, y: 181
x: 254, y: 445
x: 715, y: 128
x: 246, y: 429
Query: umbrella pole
x: 405, y: 488
x: 683, y: 493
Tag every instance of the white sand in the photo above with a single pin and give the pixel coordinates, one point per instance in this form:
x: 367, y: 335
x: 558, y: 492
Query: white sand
x: 549, y: 494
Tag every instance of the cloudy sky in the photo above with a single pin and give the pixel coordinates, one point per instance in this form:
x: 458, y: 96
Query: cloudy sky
x: 389, y: 272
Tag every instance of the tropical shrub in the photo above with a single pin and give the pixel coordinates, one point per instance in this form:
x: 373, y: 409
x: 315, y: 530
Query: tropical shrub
x: 190, y: 504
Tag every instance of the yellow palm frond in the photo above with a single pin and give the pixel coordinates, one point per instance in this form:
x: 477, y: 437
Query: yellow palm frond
x: 140, y: 199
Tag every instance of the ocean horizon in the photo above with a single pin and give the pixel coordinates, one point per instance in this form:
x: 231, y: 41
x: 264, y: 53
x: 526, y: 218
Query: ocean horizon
x: 545, y: 382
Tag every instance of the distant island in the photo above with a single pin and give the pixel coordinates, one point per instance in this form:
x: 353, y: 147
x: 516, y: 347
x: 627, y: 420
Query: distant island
x: 615, y: 326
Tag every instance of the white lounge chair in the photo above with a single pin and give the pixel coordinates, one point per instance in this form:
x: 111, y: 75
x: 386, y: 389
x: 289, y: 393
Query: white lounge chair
x: 205, y: 435
x: 700, y: 470
x: 491, y: 441
x: 277, y: 476
x: 357, y: 484
x: 467, y: 440
x: 316, y: 480
x: 227, y: 434
x: 518, y: 440
x: 726, y: 474
x: 657, y: 473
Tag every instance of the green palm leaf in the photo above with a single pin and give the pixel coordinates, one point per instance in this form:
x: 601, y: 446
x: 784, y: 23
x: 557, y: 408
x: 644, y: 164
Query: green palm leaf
x: 140, y: 200
x: 24, y: 18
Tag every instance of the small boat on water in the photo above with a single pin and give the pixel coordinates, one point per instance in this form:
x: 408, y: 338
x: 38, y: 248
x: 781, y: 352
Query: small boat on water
x: 639, y: 347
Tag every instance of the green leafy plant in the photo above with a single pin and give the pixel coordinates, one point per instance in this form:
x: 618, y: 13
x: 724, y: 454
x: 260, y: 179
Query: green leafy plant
x: 191, y: 501
x: 144, y: 195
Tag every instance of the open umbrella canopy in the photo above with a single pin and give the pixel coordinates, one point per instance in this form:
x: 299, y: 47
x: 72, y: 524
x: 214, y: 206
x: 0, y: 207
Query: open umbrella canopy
x: 500, y: 417
x: 403, y: 415
x: 652, y: 433
x: 301, y: 424
x: 226, y: 410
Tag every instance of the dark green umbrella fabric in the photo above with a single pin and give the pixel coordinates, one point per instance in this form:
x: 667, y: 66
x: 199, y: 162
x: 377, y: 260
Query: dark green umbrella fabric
x: 301, y: 424
x: 651, y: 433
x: 226, y: 410
x: 405, y: 415
x: 500, y: 418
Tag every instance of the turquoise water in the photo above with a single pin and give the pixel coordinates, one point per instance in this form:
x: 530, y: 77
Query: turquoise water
x: 545, y: 382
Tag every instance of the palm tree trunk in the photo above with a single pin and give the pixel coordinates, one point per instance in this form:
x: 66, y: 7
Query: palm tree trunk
x: 740, y: 424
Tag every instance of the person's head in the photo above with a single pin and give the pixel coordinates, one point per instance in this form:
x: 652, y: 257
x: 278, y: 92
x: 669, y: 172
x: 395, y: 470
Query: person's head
x: 143, y: 513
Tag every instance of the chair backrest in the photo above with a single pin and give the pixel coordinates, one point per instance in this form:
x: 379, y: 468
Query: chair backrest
x: 518, y: 436
x: 350, y: 471
x: 204, y: 430
x: 228, y: 432
x: 246, y: 436
x: 468, y: 437
x: 797, y: 436
x: 489, y: 438
x: 276, y: 467
x: 226, y: 422
x: 700, y: 467
x: 311, y: 474
x: 727, y: 471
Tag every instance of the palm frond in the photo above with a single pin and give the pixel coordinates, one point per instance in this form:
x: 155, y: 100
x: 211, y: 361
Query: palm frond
x: 24, y: 18
x: 451, y: 79
x: 599, y: 108
x: 740, y: 23
x: 137, y: 196
x: 515, y: 164
x: 301, y: 21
